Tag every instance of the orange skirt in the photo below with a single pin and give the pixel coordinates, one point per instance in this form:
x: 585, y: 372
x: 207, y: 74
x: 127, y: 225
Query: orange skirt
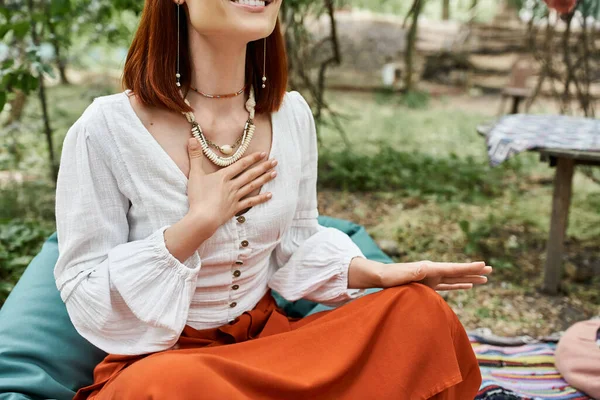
x: 399, y: 343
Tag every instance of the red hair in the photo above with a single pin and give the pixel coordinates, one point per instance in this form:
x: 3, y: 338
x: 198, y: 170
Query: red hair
x: 152, y: 59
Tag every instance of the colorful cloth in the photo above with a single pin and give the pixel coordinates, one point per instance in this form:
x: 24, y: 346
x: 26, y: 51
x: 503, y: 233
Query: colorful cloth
x: 521, y: 372
x: 516, y: 133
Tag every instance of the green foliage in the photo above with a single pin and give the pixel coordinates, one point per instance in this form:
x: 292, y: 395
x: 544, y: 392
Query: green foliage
x: 26, y: 221
x: 516, y: 4
x: 475, y: 235
x: 26, y: 26
x: 29, y: 200
x: 414, y: 99
x: 20, y: 241
x: 587, y: 8
x: 501, y: 237
x: 21, y: 30
x: 415, y: 174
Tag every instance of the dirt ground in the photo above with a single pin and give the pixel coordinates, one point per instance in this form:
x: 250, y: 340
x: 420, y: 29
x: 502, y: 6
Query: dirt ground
x: 507, y: 309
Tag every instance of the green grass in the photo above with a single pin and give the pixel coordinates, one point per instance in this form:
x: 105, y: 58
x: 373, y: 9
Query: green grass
x: 437, y: 130
x: 465, y: 209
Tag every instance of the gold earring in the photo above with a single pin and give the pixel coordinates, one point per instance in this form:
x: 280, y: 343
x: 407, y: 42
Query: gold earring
x: 264, y: 78
x: 177, y: 74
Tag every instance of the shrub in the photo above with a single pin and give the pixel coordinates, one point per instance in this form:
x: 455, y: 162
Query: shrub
x: 416, y: 174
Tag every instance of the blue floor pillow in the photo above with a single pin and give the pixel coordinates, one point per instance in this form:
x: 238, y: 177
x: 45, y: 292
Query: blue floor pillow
x: 41, y: 354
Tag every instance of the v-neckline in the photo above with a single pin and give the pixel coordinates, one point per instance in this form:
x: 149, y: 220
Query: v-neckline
x: 170, y: 163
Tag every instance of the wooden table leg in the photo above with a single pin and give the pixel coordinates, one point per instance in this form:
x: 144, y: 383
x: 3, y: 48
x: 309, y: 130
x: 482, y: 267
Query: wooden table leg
x: 516, y: 100
x: 561, y: 201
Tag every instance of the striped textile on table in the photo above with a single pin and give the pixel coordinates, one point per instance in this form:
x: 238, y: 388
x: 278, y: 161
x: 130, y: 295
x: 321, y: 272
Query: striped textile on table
x: 521, y: 373
x: 515, y: 133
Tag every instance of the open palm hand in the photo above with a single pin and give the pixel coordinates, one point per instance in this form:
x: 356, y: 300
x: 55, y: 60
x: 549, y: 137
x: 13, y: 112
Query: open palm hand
x: 437, y: 275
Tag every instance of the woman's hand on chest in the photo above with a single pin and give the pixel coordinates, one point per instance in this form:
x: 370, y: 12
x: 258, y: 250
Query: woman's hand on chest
x: 217, y: 196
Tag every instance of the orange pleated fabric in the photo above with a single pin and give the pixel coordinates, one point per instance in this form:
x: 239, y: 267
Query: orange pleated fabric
x: 398, y: 343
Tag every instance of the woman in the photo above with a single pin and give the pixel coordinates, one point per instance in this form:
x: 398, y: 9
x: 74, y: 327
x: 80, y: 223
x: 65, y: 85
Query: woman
x: 174, y: 225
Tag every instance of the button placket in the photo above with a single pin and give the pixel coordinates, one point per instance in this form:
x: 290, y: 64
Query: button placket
x: 243, y: 244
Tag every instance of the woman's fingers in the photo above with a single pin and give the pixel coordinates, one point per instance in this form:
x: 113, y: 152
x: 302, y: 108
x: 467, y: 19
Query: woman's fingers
x: 457, y: 286
x: 254, y: 200
x: 459, y: 269
x: 256, y: 183
x: 195, y: 154
x: 243, y: 164
x: 249, y: 177
x: 474, y: 279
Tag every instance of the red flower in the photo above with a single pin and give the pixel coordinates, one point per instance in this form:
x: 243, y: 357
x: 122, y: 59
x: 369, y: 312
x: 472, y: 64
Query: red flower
x: 562, y: 6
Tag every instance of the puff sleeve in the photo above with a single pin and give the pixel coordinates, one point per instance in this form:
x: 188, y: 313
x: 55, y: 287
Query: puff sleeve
x: 312, y: 260
x: 123, y: 297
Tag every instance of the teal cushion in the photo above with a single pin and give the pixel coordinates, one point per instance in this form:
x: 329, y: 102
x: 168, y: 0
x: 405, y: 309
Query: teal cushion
x: 41, y: 354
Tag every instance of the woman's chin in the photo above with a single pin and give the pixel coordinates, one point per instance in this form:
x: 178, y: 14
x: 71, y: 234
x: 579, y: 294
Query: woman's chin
x: 254, y: 30
x: 238, y: 20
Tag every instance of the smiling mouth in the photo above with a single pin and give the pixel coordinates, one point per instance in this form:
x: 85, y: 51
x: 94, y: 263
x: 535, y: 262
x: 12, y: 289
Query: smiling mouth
x: 253, y: 3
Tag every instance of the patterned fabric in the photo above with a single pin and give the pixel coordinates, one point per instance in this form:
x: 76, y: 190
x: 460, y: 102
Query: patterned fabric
x: 513, y: 134
x: 522, y: 373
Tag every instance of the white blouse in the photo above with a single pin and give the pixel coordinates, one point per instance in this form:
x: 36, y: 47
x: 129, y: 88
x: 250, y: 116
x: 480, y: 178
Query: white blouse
x: 118, y: 190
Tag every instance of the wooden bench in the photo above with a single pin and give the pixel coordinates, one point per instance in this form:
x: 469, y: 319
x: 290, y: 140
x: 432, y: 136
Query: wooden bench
x: 517, y: 88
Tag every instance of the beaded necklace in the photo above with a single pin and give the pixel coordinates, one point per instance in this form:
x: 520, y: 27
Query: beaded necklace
x: 243, y: 141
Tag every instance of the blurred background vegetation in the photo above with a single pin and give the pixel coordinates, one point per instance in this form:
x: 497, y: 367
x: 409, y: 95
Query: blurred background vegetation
x: 398, y: 89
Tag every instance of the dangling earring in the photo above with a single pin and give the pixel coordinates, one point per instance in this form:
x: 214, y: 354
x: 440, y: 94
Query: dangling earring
x: 177, y: 74
x: 264, y: 78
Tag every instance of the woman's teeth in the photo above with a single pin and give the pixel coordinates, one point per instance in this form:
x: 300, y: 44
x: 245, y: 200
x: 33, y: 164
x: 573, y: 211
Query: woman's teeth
x: 260, y: 3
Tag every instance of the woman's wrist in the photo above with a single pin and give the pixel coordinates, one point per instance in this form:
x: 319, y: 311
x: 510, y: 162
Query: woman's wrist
x: 203, y: 224
x: 184, y: 237
x: 365, y: 274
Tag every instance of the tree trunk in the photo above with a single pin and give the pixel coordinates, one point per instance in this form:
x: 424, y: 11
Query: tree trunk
x: 17, y: 105
x: 43, y: 101
x: 411, y: 41
x: 47, y: 129
x: 570, y: 70
x: 336, y: 59
x: 60, y: 64
x: 445, y: 10
x: 60, y: 61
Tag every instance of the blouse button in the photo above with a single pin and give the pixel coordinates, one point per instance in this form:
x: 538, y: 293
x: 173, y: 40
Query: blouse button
x: 233, y: 304
x: 237, y: 273
x: 235, y: 287
x: 239, y: 262
x: 244, y: 243
x: 241, y: 219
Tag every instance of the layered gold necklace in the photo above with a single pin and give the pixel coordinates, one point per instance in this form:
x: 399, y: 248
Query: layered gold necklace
x: 243, y: 141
